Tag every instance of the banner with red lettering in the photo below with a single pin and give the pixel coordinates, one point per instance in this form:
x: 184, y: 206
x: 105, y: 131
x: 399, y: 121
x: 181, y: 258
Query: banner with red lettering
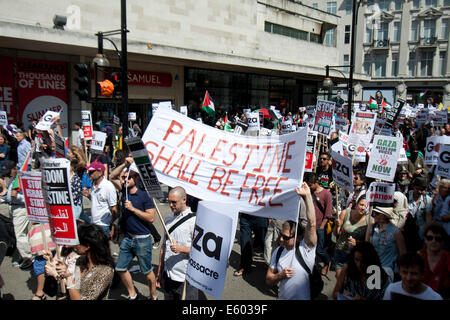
x: 258, y: 173
x: 7, y: 88
x: 42, y: 86
x: 56, y: 188
x: 34, y: 199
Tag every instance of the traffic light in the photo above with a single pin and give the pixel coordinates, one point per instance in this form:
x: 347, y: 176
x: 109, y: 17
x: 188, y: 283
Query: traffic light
x: 116, y: 79
x: 84, y: 81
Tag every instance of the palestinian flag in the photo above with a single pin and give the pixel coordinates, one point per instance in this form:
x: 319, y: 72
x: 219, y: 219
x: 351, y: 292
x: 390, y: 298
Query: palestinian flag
x: 226, y: 126
x: 17, y: 184
x: 422, y: 94
x: 208, y: 105
x: 373, y: 103
x: 384, y: 105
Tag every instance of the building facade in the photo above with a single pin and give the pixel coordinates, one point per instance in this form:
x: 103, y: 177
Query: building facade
x: 402, y: 45
x: 246, y: 53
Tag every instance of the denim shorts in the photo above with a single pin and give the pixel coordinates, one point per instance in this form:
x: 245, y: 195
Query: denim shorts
x: 140, y: 248
x: 38, y: 265
x: 340, y: 259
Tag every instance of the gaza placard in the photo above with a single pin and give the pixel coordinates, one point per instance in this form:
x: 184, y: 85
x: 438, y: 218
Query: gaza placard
x: 342, y: 171
x: 384, y: 157
x: 214, y: 231
x: 258, y: 173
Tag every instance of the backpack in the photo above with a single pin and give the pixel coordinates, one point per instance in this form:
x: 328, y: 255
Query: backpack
x: 315, y: 277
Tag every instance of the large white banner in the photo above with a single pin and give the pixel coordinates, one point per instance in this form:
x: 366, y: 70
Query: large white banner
x: 342, y: 171
x: 257, y: 173
x: 383, y: 158
x: 215, y: 228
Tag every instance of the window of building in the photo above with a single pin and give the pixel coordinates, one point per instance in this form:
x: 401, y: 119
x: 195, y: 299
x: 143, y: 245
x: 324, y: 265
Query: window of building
x: 397, y: 31
x: 383, y: 31
x: 316, y: 38
x: 315, y: 5
x: 429, y: 28
x: 348, y: 6
x: 412, y: 64
x: 286, y: 31
x: 398, y: 4
x: 430, y: 3
x: 331, y: 7
x: 414, y: 30
x: 346, y: 62
x: 394, y: 67
x: 384, y: 5
x: 446, y: 3
x: 329, y: 38
x: 442, y: 63
x: 367, y: 65
x: 416, y: 4
x: 347, y: 34
x: 444, y: 29
x: 380, y: 65
x: 369, y: 32
x: 426, y: 63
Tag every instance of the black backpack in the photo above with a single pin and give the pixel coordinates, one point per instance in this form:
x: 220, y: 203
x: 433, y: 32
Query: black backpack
x: 315, y: 277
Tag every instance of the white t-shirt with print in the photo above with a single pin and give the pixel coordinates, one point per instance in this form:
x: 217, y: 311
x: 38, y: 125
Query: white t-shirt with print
x: 102, y: 198
x: 396, y: 288
x: 296, y: 287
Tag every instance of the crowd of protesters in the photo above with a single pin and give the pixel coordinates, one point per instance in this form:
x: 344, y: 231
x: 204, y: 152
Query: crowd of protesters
x: 408, y: 243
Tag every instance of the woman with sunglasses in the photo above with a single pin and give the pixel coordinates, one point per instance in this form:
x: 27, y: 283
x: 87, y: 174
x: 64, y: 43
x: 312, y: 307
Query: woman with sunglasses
x: 437, y: 260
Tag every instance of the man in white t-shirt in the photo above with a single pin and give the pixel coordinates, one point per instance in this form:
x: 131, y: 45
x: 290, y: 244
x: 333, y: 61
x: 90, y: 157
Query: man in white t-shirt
x: 103, y: 198
x: 80, y: 135
x: 287, y: 271
x: 411, y: 268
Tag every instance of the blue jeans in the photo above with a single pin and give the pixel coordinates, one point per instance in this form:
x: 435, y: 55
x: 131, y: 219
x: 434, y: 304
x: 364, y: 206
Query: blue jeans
x: 106, y: 229
x: 320, y: 249
x: 140, y: 248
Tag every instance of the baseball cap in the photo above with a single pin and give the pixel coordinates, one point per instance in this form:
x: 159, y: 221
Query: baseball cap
x: 94, y: 166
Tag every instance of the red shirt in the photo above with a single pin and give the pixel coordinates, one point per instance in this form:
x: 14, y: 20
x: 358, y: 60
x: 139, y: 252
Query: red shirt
x: 439, y: 278
x: 324, y: 198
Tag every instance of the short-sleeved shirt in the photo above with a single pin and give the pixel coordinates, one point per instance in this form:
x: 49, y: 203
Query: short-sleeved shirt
x: 445, y: 211
x: 103, y: 197
x: 296, y: 287
x: 324, y: 198
x: 325, y: 177
x: 175, y: 264
x: 133, y: 224
x: 419, y: 210
x: 395, y: 292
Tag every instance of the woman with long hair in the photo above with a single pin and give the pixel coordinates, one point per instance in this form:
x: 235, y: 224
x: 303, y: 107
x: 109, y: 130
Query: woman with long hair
x: 353, y: 282
x: 350, y: 229
x: 94, y: 269
x: 77, y: 160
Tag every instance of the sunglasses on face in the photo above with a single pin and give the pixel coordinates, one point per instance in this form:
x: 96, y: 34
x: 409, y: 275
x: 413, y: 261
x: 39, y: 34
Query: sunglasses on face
x: 437, y: 238
x: 286, y: 237
x: 324, y: 159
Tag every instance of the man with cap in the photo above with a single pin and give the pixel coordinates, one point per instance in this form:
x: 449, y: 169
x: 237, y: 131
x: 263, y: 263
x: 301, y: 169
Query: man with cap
x: 103, y: 198
x: 138, y: 214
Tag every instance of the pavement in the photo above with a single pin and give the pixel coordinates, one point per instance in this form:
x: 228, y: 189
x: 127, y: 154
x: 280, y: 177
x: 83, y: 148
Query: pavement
x: 20, y: 284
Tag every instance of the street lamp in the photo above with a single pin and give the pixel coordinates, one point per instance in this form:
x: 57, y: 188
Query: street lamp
x: 101, y: 60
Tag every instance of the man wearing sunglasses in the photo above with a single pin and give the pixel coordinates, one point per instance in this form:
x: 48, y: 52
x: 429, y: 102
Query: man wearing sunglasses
x: 138, y: 214
x: 324, y: 171
x: 285, y: 268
